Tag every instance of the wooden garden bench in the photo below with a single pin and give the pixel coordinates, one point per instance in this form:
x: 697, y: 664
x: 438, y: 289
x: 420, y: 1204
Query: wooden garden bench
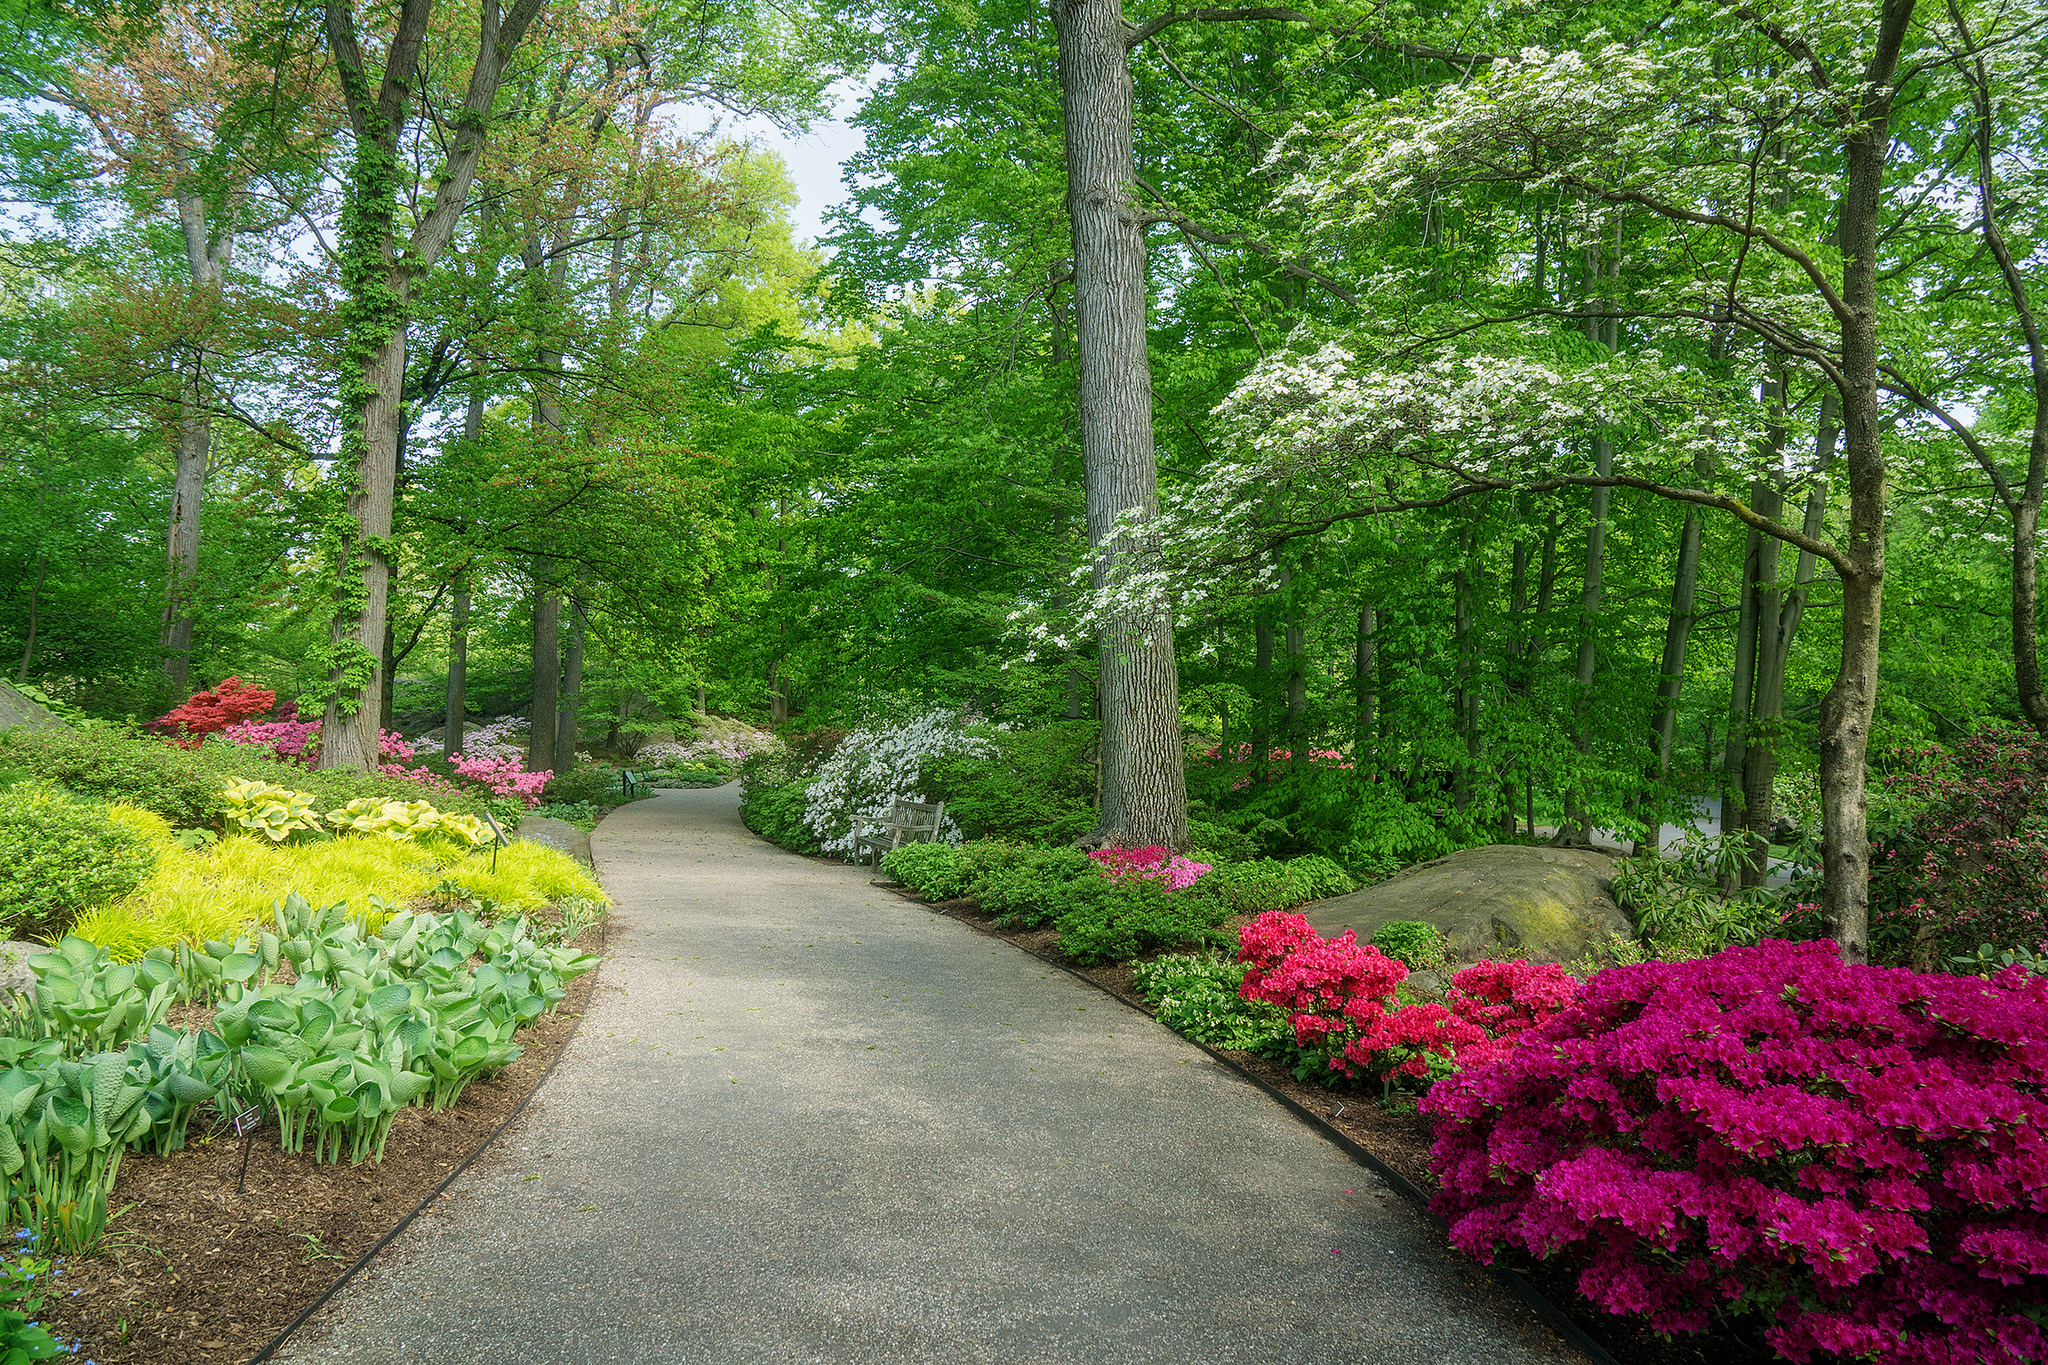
x: 909, y: 822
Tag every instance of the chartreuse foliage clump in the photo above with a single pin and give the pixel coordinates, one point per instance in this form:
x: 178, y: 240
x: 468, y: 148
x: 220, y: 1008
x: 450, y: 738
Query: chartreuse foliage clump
x: 213, y: 892
x: 1849, y: 1157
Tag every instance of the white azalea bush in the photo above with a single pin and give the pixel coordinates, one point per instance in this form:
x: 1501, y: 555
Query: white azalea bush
x: 878, y: 765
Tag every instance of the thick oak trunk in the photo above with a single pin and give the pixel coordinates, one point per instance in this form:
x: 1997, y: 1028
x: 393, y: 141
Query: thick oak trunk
x: 1144, y: 790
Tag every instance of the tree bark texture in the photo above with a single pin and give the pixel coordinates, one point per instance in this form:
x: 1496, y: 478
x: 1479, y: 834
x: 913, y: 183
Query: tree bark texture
x: 206, y: 256
x: 569, y: 718
x: 1846, y: 711
x: 1144, y: 786
x: 547, y: 678
x: 455, y: 704
x: 1366, y: 693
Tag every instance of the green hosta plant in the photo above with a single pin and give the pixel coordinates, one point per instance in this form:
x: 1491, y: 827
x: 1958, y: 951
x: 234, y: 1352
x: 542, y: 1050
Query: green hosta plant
x: 69, y: 1125
x: 178, y: 1071
x: 264, y: 808
x: 91, y: 1003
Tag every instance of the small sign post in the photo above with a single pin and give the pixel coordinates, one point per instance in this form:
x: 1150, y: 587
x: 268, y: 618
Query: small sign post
x: 246, y: 1124
x: 499, y: 839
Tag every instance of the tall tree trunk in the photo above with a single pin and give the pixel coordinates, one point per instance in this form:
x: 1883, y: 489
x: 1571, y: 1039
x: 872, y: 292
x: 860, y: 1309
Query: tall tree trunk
x: 378, y: 273
x: 387, y: 665
x: 569, y: 714
x: 206, y: 256
x: 188, y: 490
x: 35, y: 598
x: 1144, y: 784
x: 1846, y: 711
x: 1741, y: 690
x: 1463, y: 593
x: 1685, y: 582
x: 1365, y: 667
x: 455, y: 704
x: 547, y: 678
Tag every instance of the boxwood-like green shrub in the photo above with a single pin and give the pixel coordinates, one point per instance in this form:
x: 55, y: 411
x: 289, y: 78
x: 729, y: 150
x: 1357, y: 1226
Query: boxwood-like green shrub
x: 1253, y: 888
x: 935, y: 871
x: 1028, y: 887
x: 1121, y: 919
x: 1417, y: 945
x: 60, y: 856
x: 104, y: 762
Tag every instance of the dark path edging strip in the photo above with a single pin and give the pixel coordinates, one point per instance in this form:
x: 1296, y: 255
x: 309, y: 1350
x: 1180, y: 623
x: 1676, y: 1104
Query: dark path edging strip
x: 277, y: 1342
x: 1553, y: 1316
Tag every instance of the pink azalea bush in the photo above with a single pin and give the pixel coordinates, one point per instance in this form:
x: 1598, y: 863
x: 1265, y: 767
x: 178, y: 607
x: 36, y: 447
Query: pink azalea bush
x: 1339, y: 997
x: 1152, y: 863
x: 1857, y: 1155
x: 503, y: 776
x: 287, y: 738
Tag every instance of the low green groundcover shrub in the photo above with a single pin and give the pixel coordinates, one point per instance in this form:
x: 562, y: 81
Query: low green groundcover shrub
x: 102, y: 761
x: 1197, y: 995
x: 772, y: 801
x: 1109, y: 921
x: 587, y: 784
x: 1416, y: 945
x: 936, y: 871
x: 60, y: 856
x: 1252, y: 888
x: 184, y: 785
x: 1215, y: 844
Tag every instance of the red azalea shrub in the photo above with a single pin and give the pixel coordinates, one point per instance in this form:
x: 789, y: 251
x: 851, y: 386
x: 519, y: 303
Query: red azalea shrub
x: 1339, y: 995
x: 1856, y: 1154
x: 189, y: 723
x: 1970, y: 866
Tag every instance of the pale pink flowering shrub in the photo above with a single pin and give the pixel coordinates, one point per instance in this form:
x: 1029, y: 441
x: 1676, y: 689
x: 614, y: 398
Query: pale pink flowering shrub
x: 1153, y: 863
x: 503, y: 776
x: 289, y: 739
x: 1856, y: 1154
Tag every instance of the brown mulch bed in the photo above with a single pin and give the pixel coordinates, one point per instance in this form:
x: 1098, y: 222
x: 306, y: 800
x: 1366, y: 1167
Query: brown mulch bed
x: 1401, y: 1141
x: 199, y: 1274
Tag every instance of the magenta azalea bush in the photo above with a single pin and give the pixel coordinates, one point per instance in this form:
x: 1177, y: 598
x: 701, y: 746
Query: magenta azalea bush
x: 1854, y: 1155
x: 1153, y: 863
x: 1339, y: 997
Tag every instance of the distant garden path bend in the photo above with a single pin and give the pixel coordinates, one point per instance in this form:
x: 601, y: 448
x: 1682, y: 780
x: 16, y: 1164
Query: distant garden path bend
x: 806, y: 1120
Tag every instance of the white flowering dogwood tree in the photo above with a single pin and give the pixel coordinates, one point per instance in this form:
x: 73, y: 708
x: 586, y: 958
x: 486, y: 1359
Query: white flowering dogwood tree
x: 1746, y: 231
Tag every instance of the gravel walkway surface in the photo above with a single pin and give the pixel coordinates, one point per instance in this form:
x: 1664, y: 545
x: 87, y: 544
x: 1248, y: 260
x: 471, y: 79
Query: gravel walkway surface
x: 808, y: 1121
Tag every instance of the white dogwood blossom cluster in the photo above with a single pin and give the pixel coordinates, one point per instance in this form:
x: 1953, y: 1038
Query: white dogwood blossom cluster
x: 878, y: 765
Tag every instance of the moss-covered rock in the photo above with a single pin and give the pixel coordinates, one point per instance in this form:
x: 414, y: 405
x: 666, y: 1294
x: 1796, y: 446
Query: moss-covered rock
x: 1544, y: 904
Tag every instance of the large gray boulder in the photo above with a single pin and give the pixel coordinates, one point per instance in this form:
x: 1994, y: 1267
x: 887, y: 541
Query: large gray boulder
x: 1544, y: 904
x: 15, y: 977
x: 16, y: 708
x: 559, y: 835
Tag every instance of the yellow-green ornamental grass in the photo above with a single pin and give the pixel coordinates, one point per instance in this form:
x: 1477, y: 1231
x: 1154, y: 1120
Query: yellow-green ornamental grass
x: 214, y: 892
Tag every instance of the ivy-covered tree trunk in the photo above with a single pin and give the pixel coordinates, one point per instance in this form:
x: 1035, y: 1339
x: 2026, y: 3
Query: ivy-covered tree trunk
x: 1144, y: 782
x: 378, y: 272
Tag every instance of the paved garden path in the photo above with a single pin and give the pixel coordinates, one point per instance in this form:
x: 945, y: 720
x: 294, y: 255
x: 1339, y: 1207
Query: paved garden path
x: 807, y: 1120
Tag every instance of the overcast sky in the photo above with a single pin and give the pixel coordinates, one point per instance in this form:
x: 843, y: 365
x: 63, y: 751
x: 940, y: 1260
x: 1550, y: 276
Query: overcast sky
x: 814, y: 159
